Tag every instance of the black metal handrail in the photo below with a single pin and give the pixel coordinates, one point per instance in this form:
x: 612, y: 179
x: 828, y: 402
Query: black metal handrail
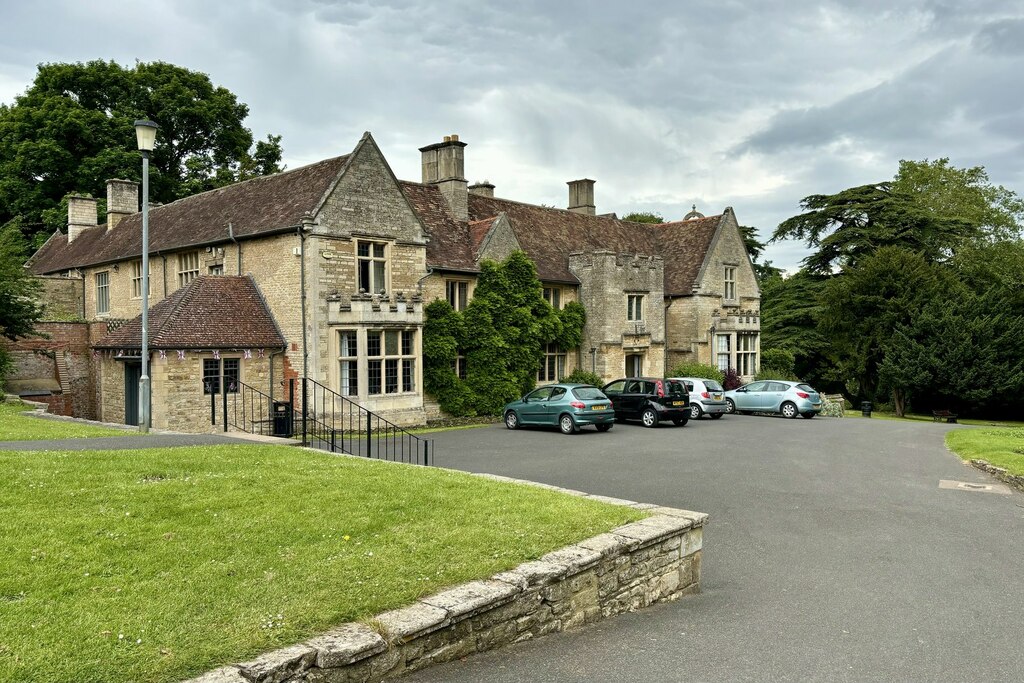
x: 253, y: 411
x: 336, y: 423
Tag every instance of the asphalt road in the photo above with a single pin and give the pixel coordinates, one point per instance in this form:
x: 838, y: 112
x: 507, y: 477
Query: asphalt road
x: 831, y: 555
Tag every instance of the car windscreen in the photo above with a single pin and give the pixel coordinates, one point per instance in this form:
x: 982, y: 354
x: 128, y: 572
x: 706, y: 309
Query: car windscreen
x: 588, y: 394
x: 806, y: 387
x: 712, y: 385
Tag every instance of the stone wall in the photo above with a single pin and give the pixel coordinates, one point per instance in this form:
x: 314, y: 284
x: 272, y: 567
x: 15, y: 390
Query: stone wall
x: 656, y: 559
x: 1014, y: 480
x: 64, y: 297
x: 606, y: 279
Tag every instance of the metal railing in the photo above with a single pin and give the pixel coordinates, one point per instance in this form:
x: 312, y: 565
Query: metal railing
x: 252, y: 411
x: 335, y: 423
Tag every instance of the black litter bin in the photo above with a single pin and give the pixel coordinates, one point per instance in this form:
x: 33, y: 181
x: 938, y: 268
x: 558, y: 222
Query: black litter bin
x: 865, y: 408
x: 282, y: 418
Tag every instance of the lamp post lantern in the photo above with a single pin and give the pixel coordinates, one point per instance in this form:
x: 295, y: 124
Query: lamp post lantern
x: 145, y: 132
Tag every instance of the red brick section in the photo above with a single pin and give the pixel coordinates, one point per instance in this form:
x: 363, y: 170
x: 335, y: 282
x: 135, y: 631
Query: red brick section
x: 252, y: 207
x: 478, y: 231
x: 211, y: 312
x: 34, y: 360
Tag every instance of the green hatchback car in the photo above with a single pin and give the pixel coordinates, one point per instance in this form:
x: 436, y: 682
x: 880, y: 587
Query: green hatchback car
x: 570, y: 406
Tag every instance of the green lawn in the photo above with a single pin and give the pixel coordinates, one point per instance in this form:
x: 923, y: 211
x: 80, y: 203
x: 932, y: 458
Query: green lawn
x: 1001, y: 446
x: 159, y: 564
x: 928, y: 418
x: 15, y: 426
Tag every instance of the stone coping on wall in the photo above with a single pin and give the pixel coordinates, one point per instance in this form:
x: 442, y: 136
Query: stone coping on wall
x: 655, y: 559
x: 1014, y: 480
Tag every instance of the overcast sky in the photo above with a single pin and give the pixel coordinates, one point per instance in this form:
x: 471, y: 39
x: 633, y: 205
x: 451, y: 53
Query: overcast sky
x: 721, y: 103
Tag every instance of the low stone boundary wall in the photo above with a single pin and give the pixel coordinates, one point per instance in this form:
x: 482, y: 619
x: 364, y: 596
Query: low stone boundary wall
x: 1014, y: 480
x: 656, y: 559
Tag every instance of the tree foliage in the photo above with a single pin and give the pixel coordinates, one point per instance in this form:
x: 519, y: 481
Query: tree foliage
x: 501, y: 333
x: 755, y: 248
x: 700, y: 370
x: 644, y: 217
x: 19, y: 307
x: 73, y: 129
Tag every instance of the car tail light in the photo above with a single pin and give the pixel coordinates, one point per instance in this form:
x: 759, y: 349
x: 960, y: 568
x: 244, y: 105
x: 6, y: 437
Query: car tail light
x: 660, y: 388
x: 802, y: 394
x: 705, y: 394
x: 578, y: 405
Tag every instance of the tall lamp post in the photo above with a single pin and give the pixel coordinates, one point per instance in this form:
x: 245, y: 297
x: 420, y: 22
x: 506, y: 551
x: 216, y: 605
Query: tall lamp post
x: 145, y: 132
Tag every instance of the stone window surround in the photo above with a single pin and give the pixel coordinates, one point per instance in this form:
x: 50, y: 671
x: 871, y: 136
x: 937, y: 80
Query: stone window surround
x: 372, y: 259
x: 457, y: 292
x: 188, y: 267
x: 553, y: 295
x: 729, y: 270
x: 362, y: 359
x: 136, y: 290
x: 552, y: 364
x: 102, y: 279
x: 634, y: 307
x: 220, y: 376
x: 656, y: 559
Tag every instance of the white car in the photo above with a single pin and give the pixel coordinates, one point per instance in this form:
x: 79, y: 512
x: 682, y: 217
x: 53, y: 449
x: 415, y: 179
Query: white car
x: 707, y: 397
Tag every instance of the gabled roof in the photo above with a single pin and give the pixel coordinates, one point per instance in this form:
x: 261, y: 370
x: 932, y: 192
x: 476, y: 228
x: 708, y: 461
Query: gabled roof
x: 450, y: 244
x: 684, y: 246
x: 260, y: 205
x: 210, y: 312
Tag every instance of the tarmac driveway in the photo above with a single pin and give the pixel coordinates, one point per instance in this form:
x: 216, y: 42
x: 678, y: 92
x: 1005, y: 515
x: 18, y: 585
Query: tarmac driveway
x: 831, y: 554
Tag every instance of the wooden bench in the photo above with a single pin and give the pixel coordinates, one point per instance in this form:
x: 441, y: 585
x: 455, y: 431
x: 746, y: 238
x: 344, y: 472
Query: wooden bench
x: 940, y: 415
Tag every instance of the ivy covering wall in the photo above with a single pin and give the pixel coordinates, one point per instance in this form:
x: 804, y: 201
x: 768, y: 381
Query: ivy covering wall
x: 501, y: 335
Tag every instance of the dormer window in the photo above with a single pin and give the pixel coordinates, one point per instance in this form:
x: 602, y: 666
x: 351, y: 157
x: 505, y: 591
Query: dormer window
x: 553, y: 295
x: 372, y: 266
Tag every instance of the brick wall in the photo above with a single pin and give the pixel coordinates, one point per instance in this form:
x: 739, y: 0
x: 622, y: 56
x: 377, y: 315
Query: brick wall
x: 63, y: 297
x: 35, y: 358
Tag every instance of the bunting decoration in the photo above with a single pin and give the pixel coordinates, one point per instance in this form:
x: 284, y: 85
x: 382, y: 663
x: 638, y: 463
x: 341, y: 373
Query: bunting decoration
x: 163, y: 355
x: 247, y: 354
x: 260, y: 353
x: 216, y: 354
x: 181, y: 354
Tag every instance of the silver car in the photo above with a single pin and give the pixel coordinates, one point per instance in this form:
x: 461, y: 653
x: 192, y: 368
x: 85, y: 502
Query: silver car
x: 706, y: 397
x: 775, y: 396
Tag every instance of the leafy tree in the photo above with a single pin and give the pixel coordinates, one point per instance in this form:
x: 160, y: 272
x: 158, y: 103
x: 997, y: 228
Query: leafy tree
x: 581, y: 376
x: 701, y: 370
x: 73, y: 129
x: 644, y: 217
x: 790, y: 309
x: 502, y: 333
x: 756, y: 248
x: 19, y: 310
x: 862, y: 309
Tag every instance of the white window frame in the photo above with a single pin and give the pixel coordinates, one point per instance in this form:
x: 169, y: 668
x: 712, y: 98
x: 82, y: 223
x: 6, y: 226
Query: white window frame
x: 730, y: 283
x: 103, y: 293
x: 634, y: 307
x: 459, y: 365
x: 457, y: 293
x: 723, y: 351
x: 348, y: 362
x: 188, y: 267
x: 401, y: 357
x: 374, y: 263
x: 215, y: 269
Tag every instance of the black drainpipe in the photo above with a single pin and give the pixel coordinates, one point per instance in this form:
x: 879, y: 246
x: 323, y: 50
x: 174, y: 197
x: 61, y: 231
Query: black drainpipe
x: 238, y: 248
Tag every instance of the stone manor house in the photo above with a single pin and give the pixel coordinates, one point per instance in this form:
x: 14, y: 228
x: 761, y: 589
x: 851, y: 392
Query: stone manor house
x: 323, y: 271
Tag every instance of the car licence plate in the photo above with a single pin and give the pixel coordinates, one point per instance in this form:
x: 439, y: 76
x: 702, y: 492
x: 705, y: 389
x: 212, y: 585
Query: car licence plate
x: 679, y: 403
x: 598, y: 407
x: 718, y: 397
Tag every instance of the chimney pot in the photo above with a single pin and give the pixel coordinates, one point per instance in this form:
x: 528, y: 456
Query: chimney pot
x: 453, y: 137
x: 484, y: 189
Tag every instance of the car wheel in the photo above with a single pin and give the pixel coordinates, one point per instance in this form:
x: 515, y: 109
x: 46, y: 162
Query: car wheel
x: 716, y: 416
x: 649, y: 418
x: 807, y: 416
x: 788, y: 410
x: 567, y: 424
x: 511, y: 420
x: 603, y: 428
x: 680, y: 421
x: 695, y: 411
x: 730, y: 407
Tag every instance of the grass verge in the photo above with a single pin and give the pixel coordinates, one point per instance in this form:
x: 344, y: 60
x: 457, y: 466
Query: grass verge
x: 16, y: 426
x: 928, y: 418
x: 159, y: 564
x: 1001, y: 446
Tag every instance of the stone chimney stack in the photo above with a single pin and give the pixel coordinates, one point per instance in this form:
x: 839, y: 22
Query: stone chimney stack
x: 581, y: 196
x: 444, y: 166
x: 81, y: 215
x: 484, y: 189
x: 122, y: 200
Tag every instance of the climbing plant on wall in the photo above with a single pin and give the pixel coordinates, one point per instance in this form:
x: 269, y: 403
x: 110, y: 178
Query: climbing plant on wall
x: 501, y: 335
